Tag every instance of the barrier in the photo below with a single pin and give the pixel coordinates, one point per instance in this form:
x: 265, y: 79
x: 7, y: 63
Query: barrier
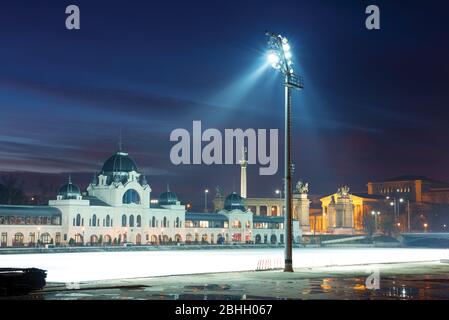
x: 269, y: 264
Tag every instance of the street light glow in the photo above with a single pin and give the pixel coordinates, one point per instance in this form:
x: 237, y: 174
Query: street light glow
x: 273, y: 58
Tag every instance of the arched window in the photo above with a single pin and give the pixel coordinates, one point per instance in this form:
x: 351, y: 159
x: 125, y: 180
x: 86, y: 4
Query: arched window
x: 108, y: 221
x: 123, y: 221
x: 78, y: 220
x: 164, y: 223
x: 131, y: 221
x: 139, y: 221
x: 131, y: 196
x: 94, y: 220
x: 177, y: 222
x: 45, y: 238
x: 153, y: 222
x: 18, y: 239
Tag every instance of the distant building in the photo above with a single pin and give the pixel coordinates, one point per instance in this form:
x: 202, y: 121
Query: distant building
x: 414, y: 188
x: 424, y: 200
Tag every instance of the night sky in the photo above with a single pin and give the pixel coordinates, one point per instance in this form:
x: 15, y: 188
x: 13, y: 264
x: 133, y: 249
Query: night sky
x: 375, y: 103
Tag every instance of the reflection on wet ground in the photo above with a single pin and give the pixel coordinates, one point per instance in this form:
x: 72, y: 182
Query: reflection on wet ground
x: 408, y: 283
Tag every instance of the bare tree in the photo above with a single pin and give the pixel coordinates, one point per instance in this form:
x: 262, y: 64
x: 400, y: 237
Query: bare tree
x: 11, y: 190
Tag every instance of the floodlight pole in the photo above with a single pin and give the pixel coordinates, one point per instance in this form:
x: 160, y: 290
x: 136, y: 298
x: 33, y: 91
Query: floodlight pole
x: 288, y: 256
x: 292, y: 81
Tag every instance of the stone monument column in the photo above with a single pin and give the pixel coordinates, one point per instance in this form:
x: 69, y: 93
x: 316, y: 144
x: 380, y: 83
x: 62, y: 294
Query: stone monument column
x: 331, y: 215
x: 303, y: 205
x: 344, y: 211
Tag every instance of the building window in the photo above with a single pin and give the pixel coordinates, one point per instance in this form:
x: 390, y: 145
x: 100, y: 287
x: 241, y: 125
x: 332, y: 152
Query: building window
x: 263, y: 210
x: 236, y: 224
x: 274, y: 211
x: 153, y: 222
x: 94, y: 220
x: 123, y: 221
x: 131, y: 196
x: 45, y: 238
x: 139, y: 221
x: 4, y: 239
x: 204, y: 224
x: 164, y: 223
x: 18, y: 239
x: 131, y: 221
x: 58, y: 238
x: 177, y: 224
x: 78, y: 220
x: 32, y: 238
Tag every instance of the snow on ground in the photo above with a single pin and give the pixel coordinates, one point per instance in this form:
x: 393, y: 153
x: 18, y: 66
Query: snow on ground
x: 90, y: 266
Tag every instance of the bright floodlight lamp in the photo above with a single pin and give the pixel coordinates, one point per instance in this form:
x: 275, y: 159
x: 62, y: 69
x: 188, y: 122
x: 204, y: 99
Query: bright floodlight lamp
x: 280, y: 58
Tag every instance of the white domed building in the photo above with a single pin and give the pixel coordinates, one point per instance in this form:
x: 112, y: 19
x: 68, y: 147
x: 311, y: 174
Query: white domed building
x: 117, y: 208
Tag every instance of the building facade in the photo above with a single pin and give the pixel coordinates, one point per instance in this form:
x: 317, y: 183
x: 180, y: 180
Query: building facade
x: 117, y: 208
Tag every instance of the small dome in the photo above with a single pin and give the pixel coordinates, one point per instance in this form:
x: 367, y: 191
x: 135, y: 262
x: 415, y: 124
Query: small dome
x: 168, y: 198
x: 234, y: 202
x: 69, y: 191
x: 119, y: 162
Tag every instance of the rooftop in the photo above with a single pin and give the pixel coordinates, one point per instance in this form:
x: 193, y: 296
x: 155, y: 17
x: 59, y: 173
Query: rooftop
x: 28, y: 211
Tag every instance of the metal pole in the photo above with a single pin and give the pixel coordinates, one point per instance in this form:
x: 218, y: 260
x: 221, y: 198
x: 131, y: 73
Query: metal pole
x: 205, y: 201
x: 408, y: 214
x: 288, y: 186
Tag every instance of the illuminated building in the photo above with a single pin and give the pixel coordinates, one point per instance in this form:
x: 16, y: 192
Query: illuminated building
x: 117, y: 208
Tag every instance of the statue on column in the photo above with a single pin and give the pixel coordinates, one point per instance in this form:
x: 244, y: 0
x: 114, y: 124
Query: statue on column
x: 302, y: 188
x: 343, y: 192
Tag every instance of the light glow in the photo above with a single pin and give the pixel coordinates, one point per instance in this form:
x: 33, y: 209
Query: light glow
x: 273, y: 58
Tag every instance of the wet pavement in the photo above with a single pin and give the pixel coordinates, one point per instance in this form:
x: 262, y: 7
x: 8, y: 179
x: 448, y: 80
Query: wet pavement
x: 408, y: 281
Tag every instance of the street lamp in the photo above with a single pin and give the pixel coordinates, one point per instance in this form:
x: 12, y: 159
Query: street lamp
x: 279, y: 192
x: 280, y: 57
x: 38, y: 236
x: 206, y: 191
x: 84, y: 229
x: 425, y: 227
x: 375, y: 214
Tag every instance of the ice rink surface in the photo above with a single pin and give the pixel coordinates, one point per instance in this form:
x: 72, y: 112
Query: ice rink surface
x: 89, y: 266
